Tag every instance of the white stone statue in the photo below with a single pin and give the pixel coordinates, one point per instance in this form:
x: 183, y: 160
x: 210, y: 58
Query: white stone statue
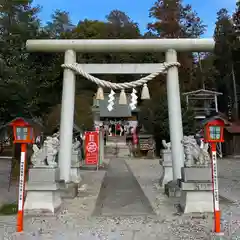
x: 39, y: 156
x: 57, y: 135
x: 75, y: 161
x: 76, y: 145
x: 46, y: 155
x: 76, y: 152
x: 166, y: 145
x: 204, y: 154
x: 189, y: 150
x: 52, y: 147
x: 194, y: 154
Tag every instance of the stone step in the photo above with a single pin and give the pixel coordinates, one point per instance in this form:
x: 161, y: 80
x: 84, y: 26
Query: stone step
x: 116, y: 139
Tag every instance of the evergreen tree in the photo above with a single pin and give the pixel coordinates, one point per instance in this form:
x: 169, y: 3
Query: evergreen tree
x: 175, y: 20
x: 223, y: 63
x: 60, y: 24
x: 19, y: 22
x: 172, y: 19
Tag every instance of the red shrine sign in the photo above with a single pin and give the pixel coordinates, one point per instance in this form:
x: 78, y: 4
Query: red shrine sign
x: 91, y: 148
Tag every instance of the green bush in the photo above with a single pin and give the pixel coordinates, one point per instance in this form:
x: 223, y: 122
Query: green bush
x: 9, y: 209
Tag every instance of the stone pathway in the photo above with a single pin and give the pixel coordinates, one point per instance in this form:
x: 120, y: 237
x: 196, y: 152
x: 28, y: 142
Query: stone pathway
x: 121, y: 194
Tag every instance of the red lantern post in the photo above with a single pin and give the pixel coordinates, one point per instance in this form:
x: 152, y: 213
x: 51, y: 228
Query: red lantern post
x: 23, y: 134
x: 213, y: 134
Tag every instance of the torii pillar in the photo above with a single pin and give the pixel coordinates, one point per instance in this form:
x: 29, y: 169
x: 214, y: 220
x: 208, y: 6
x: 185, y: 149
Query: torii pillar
x: 67, y: 118
x: 175, y: 115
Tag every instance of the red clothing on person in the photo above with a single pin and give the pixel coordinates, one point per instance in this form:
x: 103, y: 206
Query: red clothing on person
x: 135, y: 138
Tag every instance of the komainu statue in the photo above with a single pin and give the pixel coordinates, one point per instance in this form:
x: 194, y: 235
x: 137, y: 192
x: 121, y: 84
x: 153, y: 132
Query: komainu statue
x: 46, y: 155
x: 166, y: 145
x: 76, y: 145
x: 76, y: 152
x: 39, y: 156
x: 194, y: 154
x: 52, y: 146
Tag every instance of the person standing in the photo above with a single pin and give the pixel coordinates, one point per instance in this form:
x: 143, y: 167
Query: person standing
x: 129, y: 141
x: 105, y: 137
x: 118, y: 128
x: 113, y: 126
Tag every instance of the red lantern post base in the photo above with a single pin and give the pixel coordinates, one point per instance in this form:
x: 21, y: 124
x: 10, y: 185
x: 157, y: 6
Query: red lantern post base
x: 21, y: 188
x: 217, y: 213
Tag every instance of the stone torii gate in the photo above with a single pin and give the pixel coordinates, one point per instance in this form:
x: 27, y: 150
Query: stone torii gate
x: 169, y: 46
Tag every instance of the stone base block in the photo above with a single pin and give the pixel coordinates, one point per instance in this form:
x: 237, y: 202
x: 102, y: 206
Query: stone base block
x: 89, y: 167
x: 75, y: 156
x: 172, y: 189
x: 75, y: 175
x: 196, y: 201
x: 68, y: 190
x: 166, y: 155
x: 42, y: 202
x: 196, y: 174
x: 196, y: 186
x: 43, y: 195
x: 44, y: 174
x: 167, y: 175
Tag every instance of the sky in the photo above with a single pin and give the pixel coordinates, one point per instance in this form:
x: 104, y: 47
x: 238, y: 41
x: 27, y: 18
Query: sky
x: 137, y: 10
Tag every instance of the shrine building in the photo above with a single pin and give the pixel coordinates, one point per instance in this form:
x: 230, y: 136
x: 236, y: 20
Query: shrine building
x: 120, y: 113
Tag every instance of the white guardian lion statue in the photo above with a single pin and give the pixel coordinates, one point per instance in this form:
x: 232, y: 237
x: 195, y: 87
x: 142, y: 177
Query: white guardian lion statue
x: 52, y: 146
x: 47, y: 153
x: 194, y: 154
x: 166, y: 145
x: 38, y: 157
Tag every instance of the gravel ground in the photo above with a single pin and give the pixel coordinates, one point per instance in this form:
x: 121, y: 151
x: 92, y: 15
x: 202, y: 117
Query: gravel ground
x: 5, y: 195
x: 75, y: 220
x: 229, y: 185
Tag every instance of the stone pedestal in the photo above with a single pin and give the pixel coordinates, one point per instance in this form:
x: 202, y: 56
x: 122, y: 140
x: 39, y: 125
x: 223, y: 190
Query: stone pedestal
x: 43, y: 196
x: 172, y: 189
x: 167, y: 167
x: 196, y: 190
x: 68, y: 190
x: 75, y: 176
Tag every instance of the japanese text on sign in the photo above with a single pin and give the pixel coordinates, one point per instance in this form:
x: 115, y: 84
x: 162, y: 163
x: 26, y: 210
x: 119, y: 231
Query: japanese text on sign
x: 91, y: 137
x: 215, y: 181
x: 21, y: 181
